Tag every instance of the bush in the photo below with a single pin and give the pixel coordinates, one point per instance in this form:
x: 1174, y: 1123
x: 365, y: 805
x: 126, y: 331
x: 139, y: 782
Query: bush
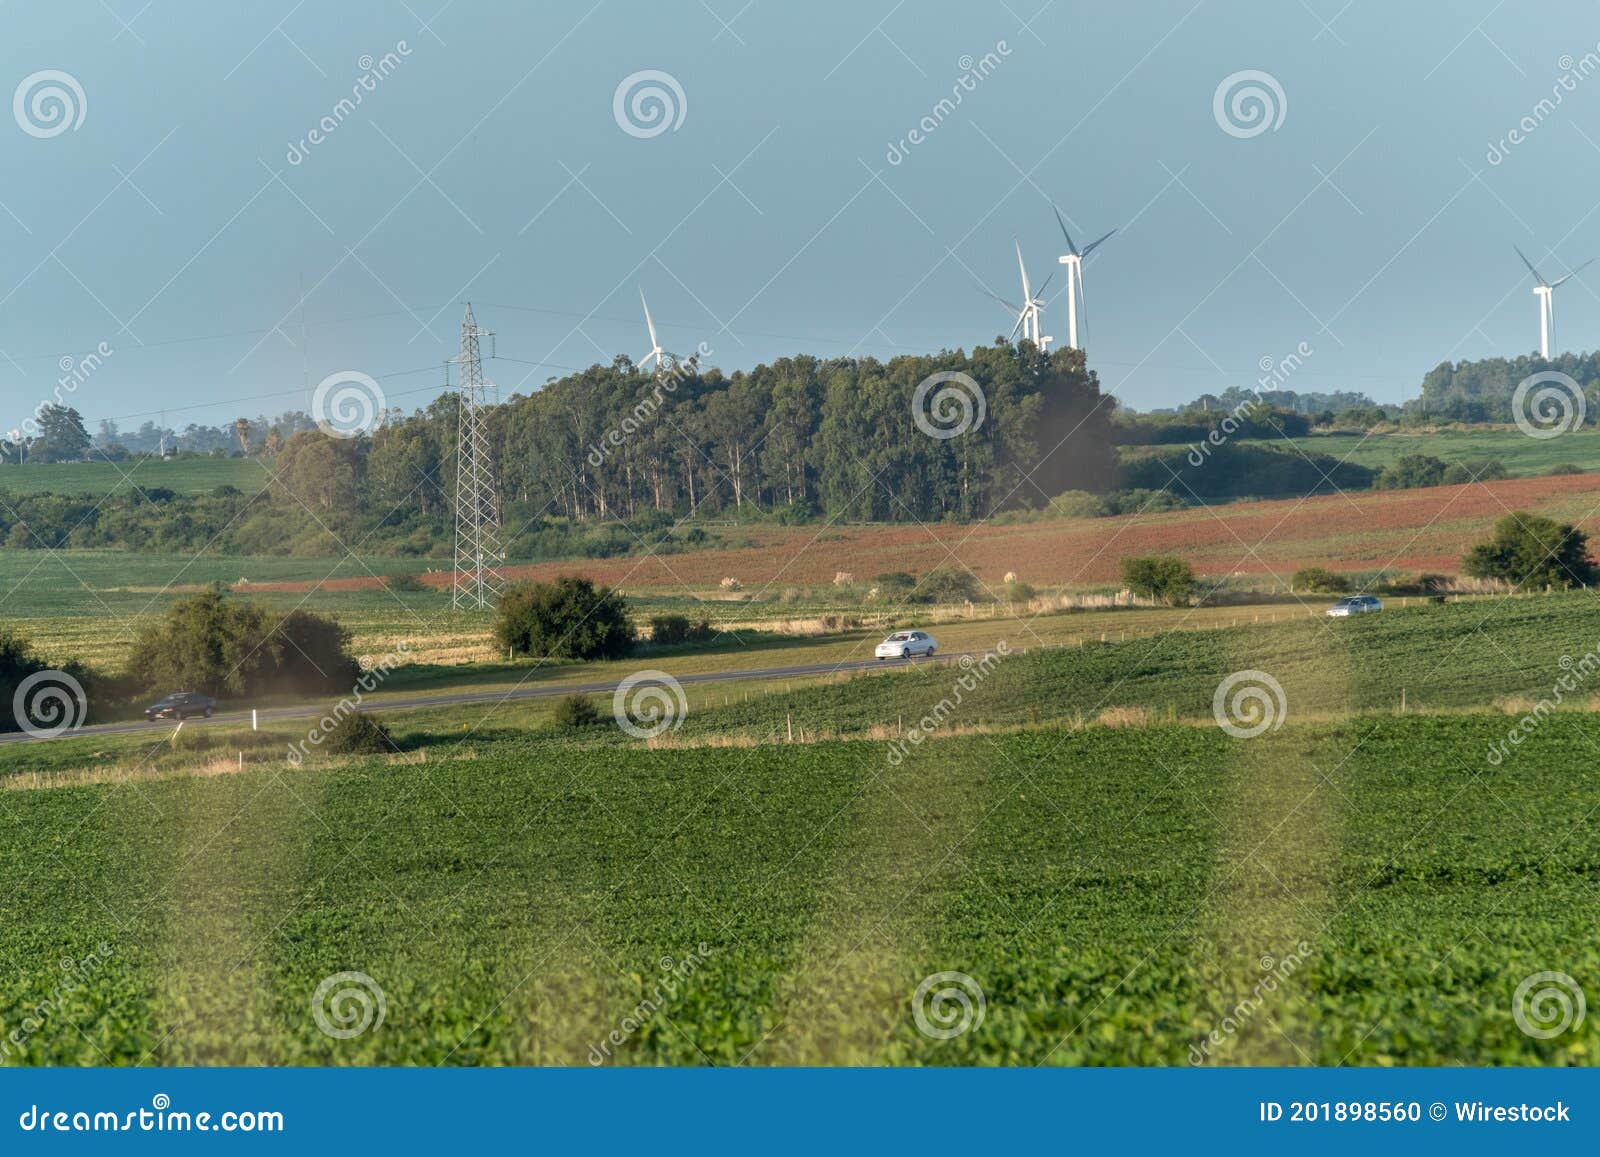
x: 1529, y: 550
x: 1565, y: 468
x: 671, y: 629
x: 357, y: 734
x: 576, y: 711
x: 1143, y: 501
x: 228, y: 648
x: 1159, y: 576
x: 1477, y: 470
x: 946, y: 585
x: 569, y: 618
x: 1410, y: 472
x: 1077, y: 504
x: 405, y: 582
x: 895, y: 583
x: 1319, y: 580
x: 1019, y: 592
x: 18, y: 662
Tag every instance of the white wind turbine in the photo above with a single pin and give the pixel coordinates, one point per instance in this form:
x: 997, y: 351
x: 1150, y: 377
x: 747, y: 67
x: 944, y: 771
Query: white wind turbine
x: 1073, y: 260
x: 1028, y: 312
x: 656, y: 351
x: 1545, y: 291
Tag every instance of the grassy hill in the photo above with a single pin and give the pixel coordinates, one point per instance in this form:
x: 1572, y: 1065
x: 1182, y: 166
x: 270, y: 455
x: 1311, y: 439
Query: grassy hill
x: 184, y: 476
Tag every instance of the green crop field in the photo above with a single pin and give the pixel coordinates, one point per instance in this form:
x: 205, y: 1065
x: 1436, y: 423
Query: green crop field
x: 182, y: 475
x: 1521, y: 454
x: 1113, y: 893
x: 1367, y: 885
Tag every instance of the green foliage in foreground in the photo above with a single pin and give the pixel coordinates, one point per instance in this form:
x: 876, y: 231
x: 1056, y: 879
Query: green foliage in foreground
x: 1104, y: 888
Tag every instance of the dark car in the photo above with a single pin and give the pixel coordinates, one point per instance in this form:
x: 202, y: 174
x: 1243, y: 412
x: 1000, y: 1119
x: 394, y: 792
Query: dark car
x: 181, y: 705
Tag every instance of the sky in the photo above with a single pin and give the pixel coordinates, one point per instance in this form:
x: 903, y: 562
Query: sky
x: 179, y: 221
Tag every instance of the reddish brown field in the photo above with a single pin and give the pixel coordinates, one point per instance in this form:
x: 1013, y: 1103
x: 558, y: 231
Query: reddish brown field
x: 1416, y: 530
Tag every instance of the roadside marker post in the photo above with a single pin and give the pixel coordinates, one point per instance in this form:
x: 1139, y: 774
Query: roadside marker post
x: 254, y: 725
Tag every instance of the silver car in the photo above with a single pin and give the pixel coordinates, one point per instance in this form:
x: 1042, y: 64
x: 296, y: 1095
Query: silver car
x: 905, y: 644
x: 1355, y: 605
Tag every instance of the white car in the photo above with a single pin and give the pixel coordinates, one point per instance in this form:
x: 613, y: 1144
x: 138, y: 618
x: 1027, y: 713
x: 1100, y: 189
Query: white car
x: 1355, y: 605
x: 904, y: 644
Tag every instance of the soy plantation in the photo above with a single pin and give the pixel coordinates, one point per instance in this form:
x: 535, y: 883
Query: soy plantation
x: 1105, y: 895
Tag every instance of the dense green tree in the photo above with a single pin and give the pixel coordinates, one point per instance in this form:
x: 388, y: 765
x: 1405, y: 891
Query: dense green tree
x: 61, y: 436
x: 1160, y: 576
x: 1528, y: 550
x: 569, y: 618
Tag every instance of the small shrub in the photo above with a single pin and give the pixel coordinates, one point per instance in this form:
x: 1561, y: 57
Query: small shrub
x: 895, y: 583
x: 576, y: 711
x: 405, y: 582
x: 671, y: 629
x: 1565, y: 468
x: 1159, y: 576
x: 357, y: 734
x: 1319, y: 580
x: 731, y: 584
x: 946, y: 585
x: 1018, y: 592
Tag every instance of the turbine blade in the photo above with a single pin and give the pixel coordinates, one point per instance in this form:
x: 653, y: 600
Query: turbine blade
x: 1093, y: 245
x: 1021, y: 317
x: 997, y: 297
x: 1537, y: 276
x: 1053, y: 273
x: 1071, y: 248
x: 1026, y: 294
x: 649, y: 324
x: 1572, y: 274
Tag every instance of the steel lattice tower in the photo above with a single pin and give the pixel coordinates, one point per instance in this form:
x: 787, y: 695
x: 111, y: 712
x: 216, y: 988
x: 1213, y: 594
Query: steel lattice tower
x: 478, y: 556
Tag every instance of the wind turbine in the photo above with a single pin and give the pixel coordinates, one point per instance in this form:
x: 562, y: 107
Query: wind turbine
x: 1545, y: 292
x: 656, y: 351
x: 1028, y: 312
x: 1073, y: 260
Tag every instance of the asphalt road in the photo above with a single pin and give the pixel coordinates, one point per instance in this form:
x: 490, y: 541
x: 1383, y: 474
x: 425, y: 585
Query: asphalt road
x: 465, y: 698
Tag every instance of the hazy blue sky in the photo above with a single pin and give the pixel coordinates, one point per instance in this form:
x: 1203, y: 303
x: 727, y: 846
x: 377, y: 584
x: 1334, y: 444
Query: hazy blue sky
x: 1369, y: 224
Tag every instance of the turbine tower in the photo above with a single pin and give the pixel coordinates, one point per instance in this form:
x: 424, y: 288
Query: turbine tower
x: 1073, y: 260
x: 1545, y: 291
x: 478, y: 581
